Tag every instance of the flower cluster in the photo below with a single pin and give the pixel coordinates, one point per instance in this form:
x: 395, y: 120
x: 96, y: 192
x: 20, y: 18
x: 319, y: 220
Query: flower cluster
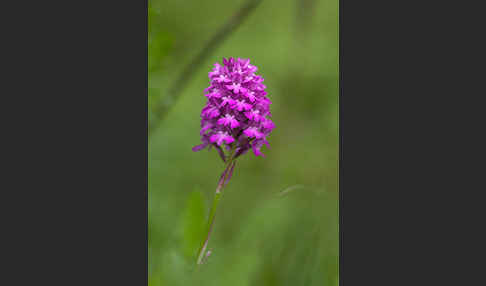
x: 237, y: 109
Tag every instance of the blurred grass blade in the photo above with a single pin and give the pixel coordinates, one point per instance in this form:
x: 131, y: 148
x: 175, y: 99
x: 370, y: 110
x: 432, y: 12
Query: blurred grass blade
x: 290, y: 189
x: 216, y: 40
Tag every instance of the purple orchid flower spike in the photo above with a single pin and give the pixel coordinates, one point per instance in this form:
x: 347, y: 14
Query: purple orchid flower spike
x: 236, y: 118
x: 237, y: 107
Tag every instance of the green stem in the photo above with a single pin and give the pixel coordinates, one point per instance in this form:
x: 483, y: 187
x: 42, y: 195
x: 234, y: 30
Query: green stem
x: 212, y: 212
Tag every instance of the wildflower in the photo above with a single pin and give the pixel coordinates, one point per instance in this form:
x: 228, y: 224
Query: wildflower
x: 250, y: 95
x: 226, y: 100
x: 253, y: 132
x: 253, y: 115
x: 229, y: 120
x: 220, y: 137
x: 210, y: 111
x: 241, y: 105
x: 257, y: 145
x: 237, y: 112
x: 222, y: 78
x: 236, y: 87
x: 268, y: 124
x: 236, y: 118
x: 213, y: 94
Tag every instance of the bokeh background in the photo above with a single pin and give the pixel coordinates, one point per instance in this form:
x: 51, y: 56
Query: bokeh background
x: 278, y: 222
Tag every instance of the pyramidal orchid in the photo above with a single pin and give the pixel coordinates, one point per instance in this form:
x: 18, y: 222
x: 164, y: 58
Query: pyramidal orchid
x: 235, y: 119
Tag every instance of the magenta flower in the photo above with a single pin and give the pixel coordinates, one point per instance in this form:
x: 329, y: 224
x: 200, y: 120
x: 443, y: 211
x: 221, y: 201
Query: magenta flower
x: 222, y: 78
x: 241, y: 105
x: 253, y: 115
x: 229, y: 120
x: 236, y: 118
x: 226, y: 100
x: 251, y: 132
x: 210, y: 111
x: 236, y: 87
x: 250, y: 95
x: 221, y: 136
x: 237, y: 111
x: 214, y: 93
x: 268, y: 124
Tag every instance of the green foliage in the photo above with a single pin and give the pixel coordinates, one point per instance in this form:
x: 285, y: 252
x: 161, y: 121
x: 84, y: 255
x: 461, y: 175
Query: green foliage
x: 159, y: 46
x: 194, y: 222
x: 153, y: 98
x: 260, y: 236
x: 159, y: 41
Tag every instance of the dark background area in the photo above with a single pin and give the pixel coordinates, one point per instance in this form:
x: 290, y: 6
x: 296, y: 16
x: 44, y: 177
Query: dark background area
x: 84, y: 219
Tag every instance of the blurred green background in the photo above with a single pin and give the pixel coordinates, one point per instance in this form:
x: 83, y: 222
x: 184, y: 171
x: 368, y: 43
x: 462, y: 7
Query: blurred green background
x: 277, y: 223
